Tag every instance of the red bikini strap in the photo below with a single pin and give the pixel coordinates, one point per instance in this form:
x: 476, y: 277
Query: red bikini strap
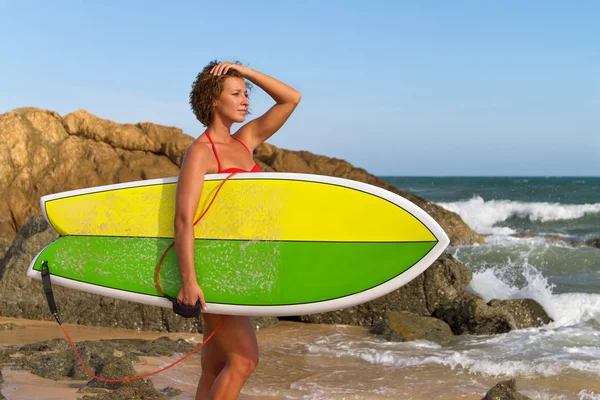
x: 242, y: 143
x: 214, y: 150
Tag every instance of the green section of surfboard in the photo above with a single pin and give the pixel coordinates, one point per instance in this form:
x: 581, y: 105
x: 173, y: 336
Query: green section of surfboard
x: 235, y: 272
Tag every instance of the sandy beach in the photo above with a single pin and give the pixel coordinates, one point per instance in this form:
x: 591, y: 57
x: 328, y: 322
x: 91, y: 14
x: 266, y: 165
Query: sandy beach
x: 288, y: 369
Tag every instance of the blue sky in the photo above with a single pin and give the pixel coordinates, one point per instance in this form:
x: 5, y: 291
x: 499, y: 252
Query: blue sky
x: 396, y: 87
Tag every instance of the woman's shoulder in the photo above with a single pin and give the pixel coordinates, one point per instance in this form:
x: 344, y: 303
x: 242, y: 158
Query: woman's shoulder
x: 199, y: 148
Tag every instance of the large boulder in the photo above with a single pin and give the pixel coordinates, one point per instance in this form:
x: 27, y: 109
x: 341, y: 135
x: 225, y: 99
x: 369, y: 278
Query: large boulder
x: 45, y: 153
x: 406, y: 327
x: 467, y: 313
x: 526, y: 313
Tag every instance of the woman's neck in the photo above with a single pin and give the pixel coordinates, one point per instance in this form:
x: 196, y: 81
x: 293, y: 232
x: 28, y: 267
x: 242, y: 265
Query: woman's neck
x: 219, y: 130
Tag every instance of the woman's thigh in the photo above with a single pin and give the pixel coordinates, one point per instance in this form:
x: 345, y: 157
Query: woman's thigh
x: 235, y: 337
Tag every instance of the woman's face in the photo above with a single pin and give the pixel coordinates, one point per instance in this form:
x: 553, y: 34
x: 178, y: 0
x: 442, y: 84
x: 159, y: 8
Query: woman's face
x: 232, y: 104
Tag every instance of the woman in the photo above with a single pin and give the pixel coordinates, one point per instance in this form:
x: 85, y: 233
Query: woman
x: 219, y: 98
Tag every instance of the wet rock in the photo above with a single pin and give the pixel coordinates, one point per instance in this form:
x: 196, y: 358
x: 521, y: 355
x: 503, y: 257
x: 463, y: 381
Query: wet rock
x: 170, y: 392
x: 55, y: 359
x: 163, y: 346
x: 1, y: 382
x: 5, y: 353
x: 8, y: 327
x: 404, y: 326
x: 593, y: 242
x: 505, y: 390
x: 526, y: 313
x: 142, y: 389
x: 469, y: 314
x: 115, y: 368
x: 446, y: 279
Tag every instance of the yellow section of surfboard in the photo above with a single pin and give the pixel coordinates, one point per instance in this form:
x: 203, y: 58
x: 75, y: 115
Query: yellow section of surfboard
x: 263, y: 206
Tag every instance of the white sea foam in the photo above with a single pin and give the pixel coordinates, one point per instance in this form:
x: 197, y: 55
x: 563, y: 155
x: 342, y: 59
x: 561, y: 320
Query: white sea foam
x: 565, y: 309
x: 588, y: 395
x: 482, y: 215
x: 486, y: 361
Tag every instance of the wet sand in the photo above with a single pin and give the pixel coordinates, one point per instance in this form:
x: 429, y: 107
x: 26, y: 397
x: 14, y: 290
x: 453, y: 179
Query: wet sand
x: 286, y: 370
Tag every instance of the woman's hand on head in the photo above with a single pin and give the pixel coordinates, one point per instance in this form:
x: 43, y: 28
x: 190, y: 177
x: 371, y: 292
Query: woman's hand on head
x: 221, y: 69
x: 189, y: 294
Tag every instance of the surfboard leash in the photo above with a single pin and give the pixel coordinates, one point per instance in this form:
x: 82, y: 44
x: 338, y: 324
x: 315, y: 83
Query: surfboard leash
x: 184, y: 311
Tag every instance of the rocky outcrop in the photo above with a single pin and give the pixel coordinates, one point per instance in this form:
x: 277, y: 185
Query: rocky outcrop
x: 45, y: 153
x: 525, y: 313
x: 467, y: 313
x: 108, y: 359
x: 405, y: 327
x: 505, y: 390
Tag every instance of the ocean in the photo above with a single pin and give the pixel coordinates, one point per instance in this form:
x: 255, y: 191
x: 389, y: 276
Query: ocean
x: 532, y: 224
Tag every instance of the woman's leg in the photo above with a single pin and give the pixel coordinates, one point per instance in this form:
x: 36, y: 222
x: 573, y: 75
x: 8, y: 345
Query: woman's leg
x: 235, y: 352
x: 212, y: 360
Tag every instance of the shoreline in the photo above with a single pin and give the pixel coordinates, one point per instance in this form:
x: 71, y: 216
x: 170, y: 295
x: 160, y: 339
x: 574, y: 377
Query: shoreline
x: 283, y: 371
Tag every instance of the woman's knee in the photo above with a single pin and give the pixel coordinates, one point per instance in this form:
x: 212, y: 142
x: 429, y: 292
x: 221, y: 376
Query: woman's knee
x: 245, y: 365
x: 212, y: 368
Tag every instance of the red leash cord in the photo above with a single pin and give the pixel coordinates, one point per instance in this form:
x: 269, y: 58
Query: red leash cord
x: 48, y: 291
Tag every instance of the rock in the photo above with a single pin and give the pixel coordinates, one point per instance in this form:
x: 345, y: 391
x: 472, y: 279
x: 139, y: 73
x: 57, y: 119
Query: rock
x: 469, y: 314
x: 5, y: 352
x: 45, y: 153
x: 163, y: 346
x: 404, y: 327
x: 442, y: 282
x: 505, y: 390
x: 446, y: 279
x: 170, y: 392
x: 116, y: 368
x: 593, y: 242
x: 526, y: 313
x: 4, y: 245
x: 1, y: 382
x: 112, y: 359
x: 142, y: 389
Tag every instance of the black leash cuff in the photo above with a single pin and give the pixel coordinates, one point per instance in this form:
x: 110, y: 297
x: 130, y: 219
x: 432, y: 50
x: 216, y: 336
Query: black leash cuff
x: 183, y: 310
x: 47, y: 284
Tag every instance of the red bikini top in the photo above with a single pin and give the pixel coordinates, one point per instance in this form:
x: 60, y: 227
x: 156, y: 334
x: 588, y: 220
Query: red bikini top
x: 255, y: 168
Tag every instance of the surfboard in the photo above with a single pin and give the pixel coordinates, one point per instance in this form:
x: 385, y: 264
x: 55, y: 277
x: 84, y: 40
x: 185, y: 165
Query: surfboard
x: 272, y: 244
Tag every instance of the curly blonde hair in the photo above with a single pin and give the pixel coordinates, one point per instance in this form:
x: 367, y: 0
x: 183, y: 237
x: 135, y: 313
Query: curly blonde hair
x: 207, y: 88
